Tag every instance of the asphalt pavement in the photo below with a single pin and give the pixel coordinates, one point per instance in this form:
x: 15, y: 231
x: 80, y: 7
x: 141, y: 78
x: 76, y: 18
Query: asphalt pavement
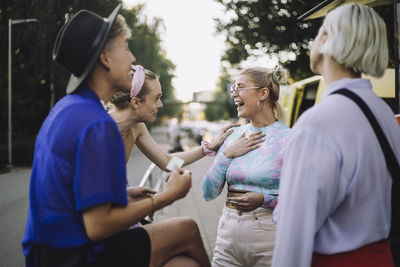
x: 14, y: 201
x: 14, y: 188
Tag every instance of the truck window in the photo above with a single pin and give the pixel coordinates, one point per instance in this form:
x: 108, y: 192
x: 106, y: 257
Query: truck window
x: 310, y: 93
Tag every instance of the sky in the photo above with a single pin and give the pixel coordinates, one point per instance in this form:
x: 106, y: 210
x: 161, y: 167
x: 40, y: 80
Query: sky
x: 190, y: 41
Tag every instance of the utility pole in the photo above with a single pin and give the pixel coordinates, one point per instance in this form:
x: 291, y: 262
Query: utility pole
x: 10, y: 23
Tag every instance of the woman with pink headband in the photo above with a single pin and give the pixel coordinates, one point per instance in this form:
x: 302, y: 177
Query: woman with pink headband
x: 133, y: 110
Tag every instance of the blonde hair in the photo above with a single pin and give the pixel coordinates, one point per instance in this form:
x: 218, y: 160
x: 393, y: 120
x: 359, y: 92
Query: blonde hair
x: 263, y: 77
x: 357, y: 39
x: 119, y: 27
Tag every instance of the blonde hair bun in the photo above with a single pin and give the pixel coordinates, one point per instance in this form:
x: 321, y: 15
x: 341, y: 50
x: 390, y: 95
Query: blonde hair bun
x: 278, y: 74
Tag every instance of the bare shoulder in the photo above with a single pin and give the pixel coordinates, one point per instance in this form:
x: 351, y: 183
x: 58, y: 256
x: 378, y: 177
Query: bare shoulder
x: 140, y: 129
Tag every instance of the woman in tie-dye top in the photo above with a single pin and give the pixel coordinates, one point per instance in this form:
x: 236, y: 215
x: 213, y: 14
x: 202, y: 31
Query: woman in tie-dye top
x: 251, y: 169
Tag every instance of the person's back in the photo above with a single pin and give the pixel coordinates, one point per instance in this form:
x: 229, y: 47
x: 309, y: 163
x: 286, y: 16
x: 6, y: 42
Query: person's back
x: 339, y: 125
x: 57, y: 151
x: 336, y: 184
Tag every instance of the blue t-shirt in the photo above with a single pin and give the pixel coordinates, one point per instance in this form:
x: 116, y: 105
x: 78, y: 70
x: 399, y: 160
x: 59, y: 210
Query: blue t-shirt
x: 79, y: 162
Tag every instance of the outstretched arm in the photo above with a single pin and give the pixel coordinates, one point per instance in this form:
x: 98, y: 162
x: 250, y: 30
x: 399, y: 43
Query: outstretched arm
x: 198, y: 152
x: 157, y: 154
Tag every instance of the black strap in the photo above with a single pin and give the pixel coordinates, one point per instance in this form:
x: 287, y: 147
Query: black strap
x: 390, y: 158
x: 393, y: 167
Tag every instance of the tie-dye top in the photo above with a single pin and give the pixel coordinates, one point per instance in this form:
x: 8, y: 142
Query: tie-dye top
x: 257, y: 171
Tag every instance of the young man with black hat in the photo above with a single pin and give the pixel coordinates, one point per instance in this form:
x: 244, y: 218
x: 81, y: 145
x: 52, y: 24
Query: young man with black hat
x: 80, y: 209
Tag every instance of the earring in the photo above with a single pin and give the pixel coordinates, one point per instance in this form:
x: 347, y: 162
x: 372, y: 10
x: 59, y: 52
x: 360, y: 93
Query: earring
x: 259, y: 106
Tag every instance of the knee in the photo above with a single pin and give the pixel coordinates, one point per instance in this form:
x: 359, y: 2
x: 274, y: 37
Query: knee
x: 189, y: 226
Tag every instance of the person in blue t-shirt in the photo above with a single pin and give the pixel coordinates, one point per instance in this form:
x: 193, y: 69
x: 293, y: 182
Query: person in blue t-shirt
x: 80, y: 209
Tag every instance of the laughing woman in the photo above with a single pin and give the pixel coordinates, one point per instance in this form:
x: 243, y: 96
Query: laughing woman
x: 246, y: 232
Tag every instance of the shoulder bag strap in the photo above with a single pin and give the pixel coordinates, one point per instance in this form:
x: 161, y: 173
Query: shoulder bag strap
x: 392, y: 165
x: 390, y: 158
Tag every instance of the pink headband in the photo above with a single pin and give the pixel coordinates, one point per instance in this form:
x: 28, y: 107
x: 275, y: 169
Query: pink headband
x: 137, y: 80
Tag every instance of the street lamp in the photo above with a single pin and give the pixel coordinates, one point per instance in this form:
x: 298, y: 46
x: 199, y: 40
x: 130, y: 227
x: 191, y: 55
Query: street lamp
x: 10, y: 23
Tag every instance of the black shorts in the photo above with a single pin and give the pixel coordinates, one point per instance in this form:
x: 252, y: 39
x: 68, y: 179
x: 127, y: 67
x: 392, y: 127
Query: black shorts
x: 128, y: 248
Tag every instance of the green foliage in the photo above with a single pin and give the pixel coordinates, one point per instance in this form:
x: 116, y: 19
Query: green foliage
x: 34, y: 73
x: 146, y: 46
x: 272, y: 26
x: 215, y: 112
x: 223, y: 108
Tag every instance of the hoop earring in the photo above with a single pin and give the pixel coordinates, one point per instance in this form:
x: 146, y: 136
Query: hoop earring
x: 259, y: 106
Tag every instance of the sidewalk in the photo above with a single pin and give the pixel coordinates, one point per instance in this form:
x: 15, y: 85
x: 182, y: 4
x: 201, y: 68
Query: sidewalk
x: 206, y: 214
x: 14, y: 199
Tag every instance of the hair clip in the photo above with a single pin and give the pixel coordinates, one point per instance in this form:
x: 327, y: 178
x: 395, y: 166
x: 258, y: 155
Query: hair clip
x: 278, y: 74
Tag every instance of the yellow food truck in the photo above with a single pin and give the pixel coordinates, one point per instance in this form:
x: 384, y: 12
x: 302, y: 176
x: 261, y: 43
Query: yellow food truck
x: 301, y: 95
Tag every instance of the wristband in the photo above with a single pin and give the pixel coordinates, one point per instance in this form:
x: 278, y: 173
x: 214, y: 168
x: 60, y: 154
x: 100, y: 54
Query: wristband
x: 206, y: 150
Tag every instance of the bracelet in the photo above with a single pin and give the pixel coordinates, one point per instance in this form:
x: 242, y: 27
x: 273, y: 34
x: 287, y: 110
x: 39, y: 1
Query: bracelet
x: 154, y: 202
x: 206, y: 150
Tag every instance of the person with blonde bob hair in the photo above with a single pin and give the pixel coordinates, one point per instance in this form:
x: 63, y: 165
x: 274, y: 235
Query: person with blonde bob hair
x: 251, y: 169
x: 335, y: 195
x: 350, y: 43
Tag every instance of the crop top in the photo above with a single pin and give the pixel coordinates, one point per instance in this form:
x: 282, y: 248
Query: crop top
x: 257, y: 171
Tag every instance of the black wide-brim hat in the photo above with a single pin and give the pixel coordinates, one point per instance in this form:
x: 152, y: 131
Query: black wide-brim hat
x: 79, y: 43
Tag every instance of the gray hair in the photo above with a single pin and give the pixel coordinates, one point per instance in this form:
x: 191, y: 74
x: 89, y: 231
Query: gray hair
x: 357, y: 39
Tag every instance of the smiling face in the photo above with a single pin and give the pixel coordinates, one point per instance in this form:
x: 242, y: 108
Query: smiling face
x: 151, y: 102
x: 246, y: 100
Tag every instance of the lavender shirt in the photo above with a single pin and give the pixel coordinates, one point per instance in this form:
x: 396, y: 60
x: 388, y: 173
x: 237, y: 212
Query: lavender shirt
x: 335, y: 187
x: 256, y: 171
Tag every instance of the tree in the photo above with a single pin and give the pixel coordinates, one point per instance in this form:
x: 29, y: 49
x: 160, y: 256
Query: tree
x: 223, y: 107
x: 146, y: 46
x: 272, y: 26
x: 35, y: 74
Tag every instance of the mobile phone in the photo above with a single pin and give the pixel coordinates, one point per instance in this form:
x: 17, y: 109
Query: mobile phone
x: 174, y: 163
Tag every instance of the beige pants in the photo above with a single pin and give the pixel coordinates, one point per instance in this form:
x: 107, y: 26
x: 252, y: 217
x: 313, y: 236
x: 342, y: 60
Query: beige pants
x: 245, y: 239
